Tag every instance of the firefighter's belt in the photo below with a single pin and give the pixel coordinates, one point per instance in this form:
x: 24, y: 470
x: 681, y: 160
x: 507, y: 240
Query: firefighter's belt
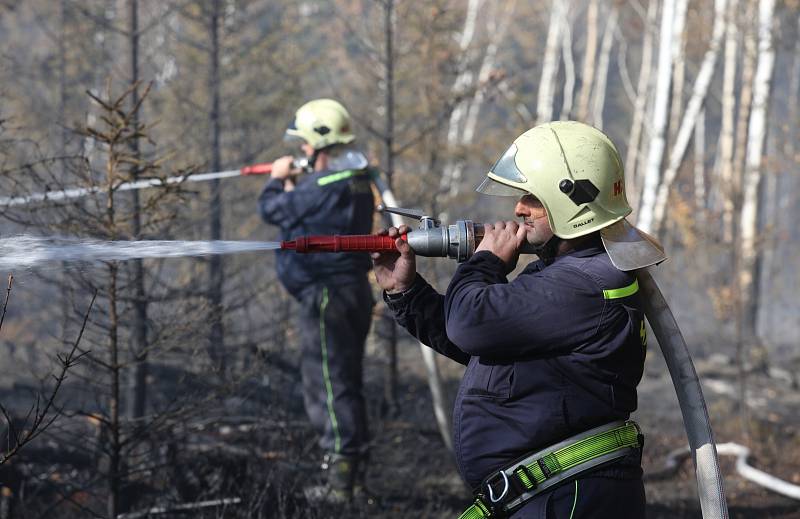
x: 507, y: 489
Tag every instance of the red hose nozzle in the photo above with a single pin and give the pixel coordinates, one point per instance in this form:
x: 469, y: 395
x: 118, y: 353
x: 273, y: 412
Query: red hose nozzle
x: 257, y: 169
x: 336, y: 243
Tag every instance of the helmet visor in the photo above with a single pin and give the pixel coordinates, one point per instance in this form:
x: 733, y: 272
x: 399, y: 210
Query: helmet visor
x: 292, y: 134
x: 504, y: 169
x: 490, y: 186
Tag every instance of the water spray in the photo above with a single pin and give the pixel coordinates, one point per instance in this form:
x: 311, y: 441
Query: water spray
x: 27, y: 251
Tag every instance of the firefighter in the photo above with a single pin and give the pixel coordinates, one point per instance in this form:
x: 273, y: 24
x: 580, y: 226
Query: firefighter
x: 332, y: 195
x: 542, y: 417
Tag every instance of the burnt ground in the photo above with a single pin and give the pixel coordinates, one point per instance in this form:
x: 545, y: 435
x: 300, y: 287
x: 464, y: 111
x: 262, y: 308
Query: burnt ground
x: 257, y: 447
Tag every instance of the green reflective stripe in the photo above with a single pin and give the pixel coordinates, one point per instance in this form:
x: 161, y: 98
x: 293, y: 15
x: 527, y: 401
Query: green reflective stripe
x: 337, y: 442
x: 524, y: 478
x: 478, y: 510
x: 336, y: 177
x: 594, y: 446
x: 585, y: 450
x: 618, y: 293
x: 575, y: 501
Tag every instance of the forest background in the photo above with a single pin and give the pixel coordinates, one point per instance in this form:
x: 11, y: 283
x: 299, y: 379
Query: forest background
x: 179, y: 381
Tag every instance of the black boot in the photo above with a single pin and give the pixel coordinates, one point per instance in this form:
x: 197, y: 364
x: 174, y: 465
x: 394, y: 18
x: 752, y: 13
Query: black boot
x: 340, y: 474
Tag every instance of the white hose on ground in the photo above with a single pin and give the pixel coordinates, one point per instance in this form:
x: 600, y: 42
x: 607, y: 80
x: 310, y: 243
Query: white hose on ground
x: 690, y: 397
x: 759, y: 477
x: 675, y: 458
x: 428, y: 355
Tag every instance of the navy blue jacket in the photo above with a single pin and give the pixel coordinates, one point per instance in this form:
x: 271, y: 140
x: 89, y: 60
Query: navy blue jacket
x: 557, y: 351
x: 323, y: 202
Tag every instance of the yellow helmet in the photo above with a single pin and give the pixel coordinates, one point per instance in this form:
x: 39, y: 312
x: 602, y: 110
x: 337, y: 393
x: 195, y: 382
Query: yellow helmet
x: 576, y: 173
x: 321, y: 123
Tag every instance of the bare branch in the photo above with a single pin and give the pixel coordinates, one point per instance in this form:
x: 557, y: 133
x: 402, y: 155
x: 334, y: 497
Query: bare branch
x: 39, y: 418
x: 5, y: 304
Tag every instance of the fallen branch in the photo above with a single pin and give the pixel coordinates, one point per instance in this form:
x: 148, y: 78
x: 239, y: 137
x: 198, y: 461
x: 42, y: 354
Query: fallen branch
x: 159, y: 510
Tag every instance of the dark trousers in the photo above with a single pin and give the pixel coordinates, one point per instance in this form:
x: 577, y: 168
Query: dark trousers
x: 588, y: 498
x: 333, y: 324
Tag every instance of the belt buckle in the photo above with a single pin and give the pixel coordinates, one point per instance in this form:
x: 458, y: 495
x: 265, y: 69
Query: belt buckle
x: 491, y: 480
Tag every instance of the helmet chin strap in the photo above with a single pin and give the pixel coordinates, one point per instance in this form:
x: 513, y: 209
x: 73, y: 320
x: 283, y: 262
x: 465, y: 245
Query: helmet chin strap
x: 312, y: 160
x: 547, y: 251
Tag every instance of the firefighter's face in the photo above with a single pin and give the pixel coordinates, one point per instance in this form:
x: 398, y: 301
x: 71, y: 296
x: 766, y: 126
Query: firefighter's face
x: 307, y: 149
x: 534, y: 219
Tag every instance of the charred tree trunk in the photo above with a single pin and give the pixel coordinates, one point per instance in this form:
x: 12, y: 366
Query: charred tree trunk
x: 62, y: 150
x: 215, y: 266
x: 138, y: 399
x: 387, y: 318
x: 114, y: 447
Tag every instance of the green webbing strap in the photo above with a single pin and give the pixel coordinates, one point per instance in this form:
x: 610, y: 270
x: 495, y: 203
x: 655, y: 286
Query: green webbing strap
x: 570, y: 456
x: 478, y: 510
x: 341, y: 175
x: 618, y: 293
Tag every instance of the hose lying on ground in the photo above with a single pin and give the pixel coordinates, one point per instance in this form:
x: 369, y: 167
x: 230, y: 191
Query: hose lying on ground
x: 759, y: 477
x: 675, y: 458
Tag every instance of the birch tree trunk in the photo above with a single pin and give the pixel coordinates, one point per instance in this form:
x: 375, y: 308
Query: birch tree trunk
x: 462, y: 129
x: 745, y: 102
x: 587, y: 76
x: 569, y: 67
x: 544, y: 102
x: 640, y: 106
x: 699, y: 93
x: 678, y: 68
x: 724, y: 166
x: 659, y: 122
x: 498, y: 30
x: 465, y: 75
x: 600, y: 82
x: 699, y: 169
x: 753, y: 172
x: 463, y: 81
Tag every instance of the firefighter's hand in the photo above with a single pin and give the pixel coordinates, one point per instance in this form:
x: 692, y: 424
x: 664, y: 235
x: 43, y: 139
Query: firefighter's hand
x: 504, y: 240
x: 282, y: 168
x: 395, y: 271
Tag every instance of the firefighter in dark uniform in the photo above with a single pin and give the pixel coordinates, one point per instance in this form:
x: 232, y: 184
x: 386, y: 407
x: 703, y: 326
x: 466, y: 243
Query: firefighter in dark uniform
x: 542, y: 417
x: 332, y: 195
